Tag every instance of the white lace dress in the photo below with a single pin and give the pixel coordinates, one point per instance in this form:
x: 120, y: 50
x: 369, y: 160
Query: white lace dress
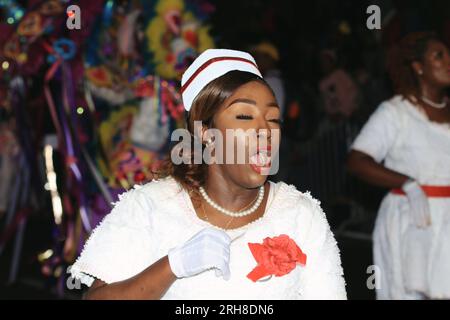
x: 150, y: 219
x: 411, y: 261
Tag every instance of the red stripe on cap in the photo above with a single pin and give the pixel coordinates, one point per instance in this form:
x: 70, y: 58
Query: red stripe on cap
x: 209, y: 62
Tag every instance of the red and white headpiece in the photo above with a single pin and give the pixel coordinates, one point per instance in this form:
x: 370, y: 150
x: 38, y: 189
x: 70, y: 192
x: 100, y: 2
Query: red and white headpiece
x: 210, y: 65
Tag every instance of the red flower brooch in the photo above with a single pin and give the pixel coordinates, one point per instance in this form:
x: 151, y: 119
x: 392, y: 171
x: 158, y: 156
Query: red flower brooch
x: 275, y: 256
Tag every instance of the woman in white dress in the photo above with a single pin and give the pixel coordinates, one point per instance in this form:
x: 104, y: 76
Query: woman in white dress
x: 216, y: 231
x: 405, y: 146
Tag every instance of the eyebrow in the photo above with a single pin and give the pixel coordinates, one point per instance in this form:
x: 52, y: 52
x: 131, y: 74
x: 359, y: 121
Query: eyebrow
x: 252, y: 102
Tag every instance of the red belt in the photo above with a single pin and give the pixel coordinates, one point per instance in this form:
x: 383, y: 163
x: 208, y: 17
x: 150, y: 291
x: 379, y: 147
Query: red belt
x: 430, y: 191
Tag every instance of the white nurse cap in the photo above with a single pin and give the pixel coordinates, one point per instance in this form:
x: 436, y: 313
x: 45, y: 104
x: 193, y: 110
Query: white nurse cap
x: 210, y: 65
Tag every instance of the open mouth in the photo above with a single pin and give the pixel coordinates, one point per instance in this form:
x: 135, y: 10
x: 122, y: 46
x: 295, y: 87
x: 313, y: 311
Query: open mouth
x: 261, y: 159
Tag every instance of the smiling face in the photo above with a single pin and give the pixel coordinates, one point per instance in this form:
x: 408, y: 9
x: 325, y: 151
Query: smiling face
x: 434, y: 70
x: 251, y: 107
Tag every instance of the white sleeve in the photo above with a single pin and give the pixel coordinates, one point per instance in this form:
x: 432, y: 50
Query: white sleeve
x: 323, y: 277
x: 378, y: 135
x: 120, y: 246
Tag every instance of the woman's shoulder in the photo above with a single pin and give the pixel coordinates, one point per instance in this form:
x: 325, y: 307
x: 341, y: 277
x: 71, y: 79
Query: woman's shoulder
x: 302, y: 212
x: 161, y: 189
x: 289, y: 194
x: 137, y: 202
x: 390, y: 113
x: 288, y: 199
x: 396, y: 105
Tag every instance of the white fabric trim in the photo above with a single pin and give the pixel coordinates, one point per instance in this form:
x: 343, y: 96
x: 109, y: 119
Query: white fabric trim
x: 146, y: 223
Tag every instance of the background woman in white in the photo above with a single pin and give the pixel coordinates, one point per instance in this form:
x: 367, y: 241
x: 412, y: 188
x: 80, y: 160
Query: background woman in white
x: 186, y: 235
x: 405, y: 146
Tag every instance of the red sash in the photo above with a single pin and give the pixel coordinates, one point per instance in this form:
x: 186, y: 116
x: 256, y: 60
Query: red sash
x: 430, y: 191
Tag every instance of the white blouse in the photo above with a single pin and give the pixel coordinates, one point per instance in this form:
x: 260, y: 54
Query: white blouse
x: 400, y: 135
x: 151, y: 219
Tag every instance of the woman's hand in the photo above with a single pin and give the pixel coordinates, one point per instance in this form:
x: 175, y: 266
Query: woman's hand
x: 209, y: 248
x: 418, y: 202
x: 366, y: 168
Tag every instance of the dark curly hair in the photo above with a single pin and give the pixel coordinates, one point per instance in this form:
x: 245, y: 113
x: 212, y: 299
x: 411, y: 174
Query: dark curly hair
x: 400, y: 57
x: 191, y: 176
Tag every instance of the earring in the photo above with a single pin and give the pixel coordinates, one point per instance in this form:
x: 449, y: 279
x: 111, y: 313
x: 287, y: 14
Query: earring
x: 209, y: 142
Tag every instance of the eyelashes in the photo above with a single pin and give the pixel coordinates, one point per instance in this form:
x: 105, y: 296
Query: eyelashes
x: 249, y: 117
x: 244, y: 117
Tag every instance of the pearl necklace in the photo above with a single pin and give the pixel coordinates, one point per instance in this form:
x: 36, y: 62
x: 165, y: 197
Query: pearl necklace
x: 434, y: 104
x: 231, y: 213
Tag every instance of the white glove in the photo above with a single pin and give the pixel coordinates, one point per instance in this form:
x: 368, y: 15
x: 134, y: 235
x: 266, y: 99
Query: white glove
x: 209, y: 248
x: 418, y: 202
